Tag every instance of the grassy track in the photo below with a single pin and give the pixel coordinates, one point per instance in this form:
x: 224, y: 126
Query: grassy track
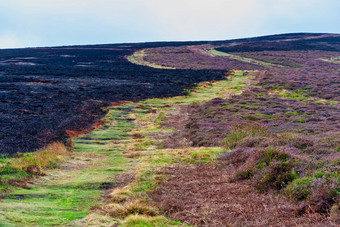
x: 138, y: 59
x: 214, y: 53
x: 69, y: 192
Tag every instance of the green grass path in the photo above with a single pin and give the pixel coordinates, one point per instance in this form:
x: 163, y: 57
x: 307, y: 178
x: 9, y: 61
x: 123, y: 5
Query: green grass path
x: 67, y: 193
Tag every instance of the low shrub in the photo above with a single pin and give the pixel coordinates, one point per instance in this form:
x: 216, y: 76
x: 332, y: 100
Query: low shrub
x: 274, y: 170
x: 269, y: 167
x: 321, y: 190
x: 299, y: 189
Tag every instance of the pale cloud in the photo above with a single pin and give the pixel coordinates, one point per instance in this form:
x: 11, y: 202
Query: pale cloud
x: 13, y: 41
x: 58, y: 22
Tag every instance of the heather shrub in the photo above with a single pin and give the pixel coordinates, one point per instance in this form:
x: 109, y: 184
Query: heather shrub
x: 302, y: 142
x: 320, y: 191
x: 335, y: 213
x: 237, y: 156
x: 255, y: 142
x: 299, y: 189
x: 274, y: 169
x: 277, y: 175
x: 324, y: 195
x: 270, y: 168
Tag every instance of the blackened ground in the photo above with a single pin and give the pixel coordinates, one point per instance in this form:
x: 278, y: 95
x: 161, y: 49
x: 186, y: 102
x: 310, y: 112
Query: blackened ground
x: 43, y: 92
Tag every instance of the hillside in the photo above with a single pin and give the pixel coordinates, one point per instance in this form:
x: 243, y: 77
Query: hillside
x: 241, y: 132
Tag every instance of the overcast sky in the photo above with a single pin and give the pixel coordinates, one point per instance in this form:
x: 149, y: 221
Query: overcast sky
x: 26, y: 23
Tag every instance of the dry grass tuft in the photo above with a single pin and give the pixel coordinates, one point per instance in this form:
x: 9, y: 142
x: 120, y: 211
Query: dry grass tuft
x: 136, y: 207
x: 120, y: 195
x: 45, y: 158
x: 241, y: 131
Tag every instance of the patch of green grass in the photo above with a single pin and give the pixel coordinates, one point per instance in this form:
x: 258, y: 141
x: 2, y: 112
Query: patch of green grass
x: 296, y: 95
x: 301, y: 92
x: 214, y: 53
x: 301, y: 120
x: 159, y: 118
x: 294, y: 113
x: 264, y: 115
x: 335, y: 60
x: 144, y: 221
x: 301, y: 95
x: 138, y: 59
x: 227, y: 106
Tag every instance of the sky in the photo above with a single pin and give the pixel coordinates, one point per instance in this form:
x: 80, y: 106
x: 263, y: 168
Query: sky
x: 31, y: 23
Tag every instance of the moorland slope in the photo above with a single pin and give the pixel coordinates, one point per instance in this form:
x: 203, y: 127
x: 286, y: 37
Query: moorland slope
x: 252, y: 140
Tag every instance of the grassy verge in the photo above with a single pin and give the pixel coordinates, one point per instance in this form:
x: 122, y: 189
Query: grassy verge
x: 138, y: 59
x: 16, y: 171
x: 67, y: 193
x: 335, y: 60
x: 214, y: 53
x: 300, y: 95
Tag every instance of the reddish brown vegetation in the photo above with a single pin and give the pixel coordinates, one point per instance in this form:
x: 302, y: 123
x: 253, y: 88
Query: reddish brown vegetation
x: 204, y: 196
x: 75, y: 133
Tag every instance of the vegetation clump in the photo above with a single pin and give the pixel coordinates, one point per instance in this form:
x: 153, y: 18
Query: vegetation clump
x: 14, y: 171
x: 241, y: 131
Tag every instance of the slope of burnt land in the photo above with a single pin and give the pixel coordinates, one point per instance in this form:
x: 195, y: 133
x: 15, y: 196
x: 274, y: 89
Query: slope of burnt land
x: 45, y: 91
